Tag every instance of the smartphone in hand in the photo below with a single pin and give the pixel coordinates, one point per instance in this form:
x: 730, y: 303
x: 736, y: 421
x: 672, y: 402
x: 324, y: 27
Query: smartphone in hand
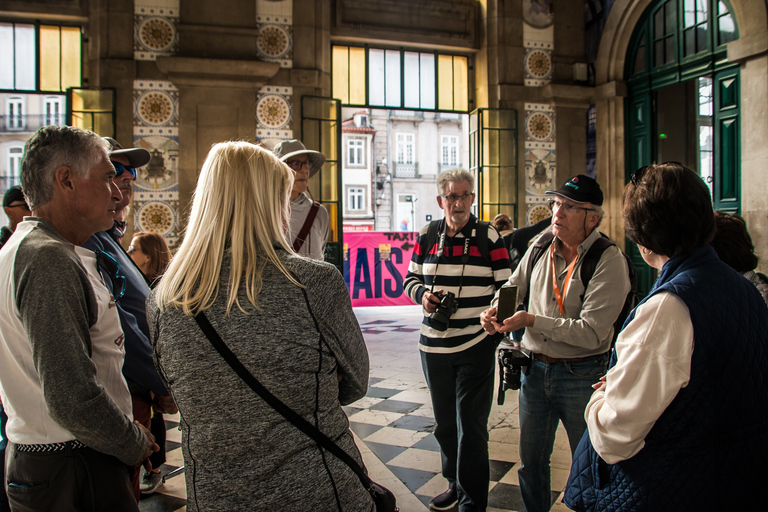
x: 507, y: 303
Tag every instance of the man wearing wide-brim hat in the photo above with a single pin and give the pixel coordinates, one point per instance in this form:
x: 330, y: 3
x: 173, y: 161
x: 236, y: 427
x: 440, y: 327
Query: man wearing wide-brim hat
x: 309, y: 219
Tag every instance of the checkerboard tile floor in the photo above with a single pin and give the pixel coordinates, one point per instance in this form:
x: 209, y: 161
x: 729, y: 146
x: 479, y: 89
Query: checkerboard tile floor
x: 394, y: 428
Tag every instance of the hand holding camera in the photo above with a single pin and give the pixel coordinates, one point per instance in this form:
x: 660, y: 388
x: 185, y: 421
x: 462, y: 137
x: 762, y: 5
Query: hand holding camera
x: 448, y: 306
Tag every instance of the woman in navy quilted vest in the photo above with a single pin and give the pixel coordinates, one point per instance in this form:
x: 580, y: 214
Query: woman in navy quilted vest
x: 679, y: 422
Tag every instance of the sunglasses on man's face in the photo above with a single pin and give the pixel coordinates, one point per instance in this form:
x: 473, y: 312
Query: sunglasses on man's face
x: 119, y: 168
x: 112, y: 268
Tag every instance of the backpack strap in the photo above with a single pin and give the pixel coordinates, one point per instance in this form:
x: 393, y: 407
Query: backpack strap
x: 299, y: 241
x: 428, y: 240
x: 541, y: 245
x: 481, y: 238
x: 592, y: 258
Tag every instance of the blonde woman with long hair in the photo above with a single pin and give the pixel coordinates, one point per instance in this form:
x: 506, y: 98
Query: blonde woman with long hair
x: 236, y: 266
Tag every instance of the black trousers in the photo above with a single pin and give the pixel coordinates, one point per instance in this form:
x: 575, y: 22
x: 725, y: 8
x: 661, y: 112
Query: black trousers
x: 80, y: 479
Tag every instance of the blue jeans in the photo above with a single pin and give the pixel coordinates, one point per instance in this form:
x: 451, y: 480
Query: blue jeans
x: 461, y: 386
x: 548, y: 394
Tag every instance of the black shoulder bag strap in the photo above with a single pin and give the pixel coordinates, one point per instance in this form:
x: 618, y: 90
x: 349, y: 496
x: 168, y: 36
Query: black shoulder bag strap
x: 276, y: 403
x: 302, y: 236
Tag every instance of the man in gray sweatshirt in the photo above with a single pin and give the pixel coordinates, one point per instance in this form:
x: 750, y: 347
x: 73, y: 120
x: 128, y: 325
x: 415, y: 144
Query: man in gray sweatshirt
x: 70, y: 427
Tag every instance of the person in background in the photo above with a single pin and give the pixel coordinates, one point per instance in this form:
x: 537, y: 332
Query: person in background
x: 150, y: 252
x: 147, y: 390
x: 458, y: 357
x: 309, y: 219
x: 72, y: 438
x: 16, y: 209
x: 679, y: 423
x: 568, y: 329
x: 289, y: 321
x: 733, y: 245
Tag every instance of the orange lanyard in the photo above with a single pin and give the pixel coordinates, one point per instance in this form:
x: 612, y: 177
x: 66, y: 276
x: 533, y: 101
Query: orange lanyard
x: 556, y: 289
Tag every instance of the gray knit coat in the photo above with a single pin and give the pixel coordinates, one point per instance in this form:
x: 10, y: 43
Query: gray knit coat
x: 239, y: 453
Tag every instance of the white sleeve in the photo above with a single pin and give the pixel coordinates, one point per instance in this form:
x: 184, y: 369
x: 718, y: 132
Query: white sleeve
x: 653, y: 364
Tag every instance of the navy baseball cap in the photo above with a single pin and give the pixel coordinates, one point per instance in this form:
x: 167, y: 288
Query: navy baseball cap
x: 580, y: 189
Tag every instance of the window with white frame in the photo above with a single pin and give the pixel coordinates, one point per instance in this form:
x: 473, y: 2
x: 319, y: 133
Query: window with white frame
x: 10, y: 175
x: 356, y: 199
x: 14, y: 111
x: 54, y: 110
x: 355, y: 152
x: 405, y: 149
x: 449, y: 146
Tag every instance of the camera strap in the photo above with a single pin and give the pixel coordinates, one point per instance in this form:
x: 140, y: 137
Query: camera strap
x: 464, y: 256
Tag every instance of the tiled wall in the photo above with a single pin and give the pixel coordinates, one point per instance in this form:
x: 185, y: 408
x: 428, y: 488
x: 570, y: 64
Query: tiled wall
x: 540, y: 143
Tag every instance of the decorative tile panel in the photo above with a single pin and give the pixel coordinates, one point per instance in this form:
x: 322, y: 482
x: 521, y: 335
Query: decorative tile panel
x: 274, y: 21
x: 155, y: 32
x: 274, y: 114
x: 156, y: 128
x: 540, y: 159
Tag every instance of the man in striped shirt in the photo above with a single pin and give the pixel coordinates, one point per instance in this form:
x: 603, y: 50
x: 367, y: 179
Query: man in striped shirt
x: 459, y: 359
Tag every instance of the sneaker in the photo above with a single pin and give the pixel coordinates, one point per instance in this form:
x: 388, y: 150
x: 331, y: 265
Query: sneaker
x: 446, y: 501
x: 149, y: 482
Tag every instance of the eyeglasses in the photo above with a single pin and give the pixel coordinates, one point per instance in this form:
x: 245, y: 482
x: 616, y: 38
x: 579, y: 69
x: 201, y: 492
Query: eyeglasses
x: 452, y: 198
x: 567, y: 208
x: 296, y: 165
x: 119, y: 168
x: 638, y: 175
x: 112, y: 268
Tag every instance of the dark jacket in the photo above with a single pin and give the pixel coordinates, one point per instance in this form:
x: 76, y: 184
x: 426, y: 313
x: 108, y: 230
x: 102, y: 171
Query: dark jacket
x: 707, y: 451
x: 139, y: 368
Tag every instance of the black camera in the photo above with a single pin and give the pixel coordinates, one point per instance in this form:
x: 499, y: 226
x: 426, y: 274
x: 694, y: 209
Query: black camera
x: 447, y: 307
x: 512, y: 362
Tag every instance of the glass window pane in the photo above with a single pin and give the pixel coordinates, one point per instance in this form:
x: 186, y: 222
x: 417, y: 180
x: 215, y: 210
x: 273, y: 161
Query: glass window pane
x: 427, y: 80
x: 357, y: 76
x: 701, y: 11
x: 25, y: 57
x: 689, y: 13
x: 658, y: 24
x: 50, y: 59
x: 689, y: 42
x: 701, y: 38
x: 670, y: 18
x: 705, y: 96
x: 460, y: 93
x: 70, y: 57
x: 6, y: 56
x: 658, y: 53
x: 445, y: 82
x: 412, y: 79
x: 669, y: 51
x: 726, y: 29
x: 375, y: 77
x: 340, y: 78
x: 392, y: 92
x: 639, y: 59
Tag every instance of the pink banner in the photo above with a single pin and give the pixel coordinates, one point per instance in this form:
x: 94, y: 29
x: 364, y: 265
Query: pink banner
x: 375, y: 264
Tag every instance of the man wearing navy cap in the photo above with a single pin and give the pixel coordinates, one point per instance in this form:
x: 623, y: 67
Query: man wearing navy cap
x: 139, y: 368
x: 16, y: 209
x: 568, y: 329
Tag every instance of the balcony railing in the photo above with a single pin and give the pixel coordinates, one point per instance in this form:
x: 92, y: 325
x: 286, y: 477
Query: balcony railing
x: 403, y: 170
x: 31, y: 122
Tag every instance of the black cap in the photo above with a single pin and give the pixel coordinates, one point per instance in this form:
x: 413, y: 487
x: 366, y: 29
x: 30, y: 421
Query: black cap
x: 580, y: 189
x: 13, y: 194
x: 137, y: 157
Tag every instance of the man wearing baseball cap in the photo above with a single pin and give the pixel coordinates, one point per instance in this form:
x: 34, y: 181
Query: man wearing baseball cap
x: 568, y: 328
x: 130, y: 289
x: 309, y: 219
x: 16, y: 209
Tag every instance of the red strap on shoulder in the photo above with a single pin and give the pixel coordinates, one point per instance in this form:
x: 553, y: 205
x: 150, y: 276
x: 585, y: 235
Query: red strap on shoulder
x: 299, y: 241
